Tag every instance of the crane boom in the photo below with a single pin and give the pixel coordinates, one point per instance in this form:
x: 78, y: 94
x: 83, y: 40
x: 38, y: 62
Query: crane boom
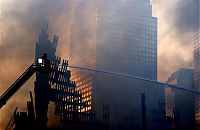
x: 42, y: 68
x: 16, y: 85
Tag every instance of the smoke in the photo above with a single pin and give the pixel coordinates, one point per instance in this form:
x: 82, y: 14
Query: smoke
x: 176, y: 19
x: 21, y: 20
x: 83, y: 33
x: 186, y: 16
x: 20, y: 23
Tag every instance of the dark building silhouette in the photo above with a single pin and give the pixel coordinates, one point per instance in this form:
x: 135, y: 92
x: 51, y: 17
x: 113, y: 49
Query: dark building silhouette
x: 144, y: 116
x: 180, y: 106
x: 159, y: 120
x: 56, y: 87
x: 25, y: 120
x: 42, y: 86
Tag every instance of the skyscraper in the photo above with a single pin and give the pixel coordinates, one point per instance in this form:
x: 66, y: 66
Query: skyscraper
x: 127, y: 38
x: 197, y: 60
x: 118, y: 36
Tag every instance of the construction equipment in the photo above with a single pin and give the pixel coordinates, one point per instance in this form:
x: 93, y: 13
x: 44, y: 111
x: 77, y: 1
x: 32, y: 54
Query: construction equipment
x: 42, y: 66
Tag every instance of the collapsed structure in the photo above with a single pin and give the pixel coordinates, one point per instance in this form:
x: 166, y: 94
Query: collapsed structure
x: 56, y: 87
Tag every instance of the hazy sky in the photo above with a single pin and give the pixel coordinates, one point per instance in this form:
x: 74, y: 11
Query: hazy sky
x: 175, y: 34
x: 21, y: 20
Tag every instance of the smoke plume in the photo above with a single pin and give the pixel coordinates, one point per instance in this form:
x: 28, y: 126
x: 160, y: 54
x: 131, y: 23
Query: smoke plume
x: 20, y: 23
x: 21, y: 20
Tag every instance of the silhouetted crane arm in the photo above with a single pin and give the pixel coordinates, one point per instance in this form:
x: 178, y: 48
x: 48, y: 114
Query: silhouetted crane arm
x: 17, y: 84
x: 43, y: 67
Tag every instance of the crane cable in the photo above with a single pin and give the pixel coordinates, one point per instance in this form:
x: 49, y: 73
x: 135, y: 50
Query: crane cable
x: 135, y: 77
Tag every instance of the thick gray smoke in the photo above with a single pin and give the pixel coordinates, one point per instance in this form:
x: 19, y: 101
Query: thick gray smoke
x: 20, y: 23
x: 186, y: 15
x: 176, y: 19
x: 21, y: 20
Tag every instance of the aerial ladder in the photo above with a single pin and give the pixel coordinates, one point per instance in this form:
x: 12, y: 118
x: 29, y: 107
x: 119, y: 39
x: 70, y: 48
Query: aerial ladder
x: 42, y: 66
